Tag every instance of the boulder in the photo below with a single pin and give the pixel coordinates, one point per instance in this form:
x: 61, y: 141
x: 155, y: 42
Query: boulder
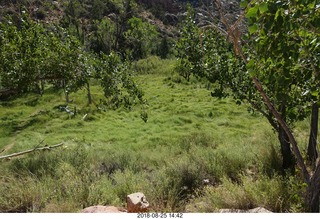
x: 137, y: 202
x: 102, y: 209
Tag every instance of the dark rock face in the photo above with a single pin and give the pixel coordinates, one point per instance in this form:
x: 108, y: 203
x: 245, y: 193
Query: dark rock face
x: 165, y: 5
x: 171, y: 19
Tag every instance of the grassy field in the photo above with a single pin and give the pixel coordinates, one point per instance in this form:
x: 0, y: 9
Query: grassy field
x: 189, y: 139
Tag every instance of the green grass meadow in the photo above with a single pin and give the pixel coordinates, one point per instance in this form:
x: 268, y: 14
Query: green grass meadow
x: 195, y: 153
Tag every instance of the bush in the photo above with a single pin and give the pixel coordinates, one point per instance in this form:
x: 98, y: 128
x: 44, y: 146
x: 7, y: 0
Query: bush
x: 102, y: 192
x: 128, y: 182
x: 163, y: 192
x: 186, y: 176
x: 22, y: 195
x: 275, y: 194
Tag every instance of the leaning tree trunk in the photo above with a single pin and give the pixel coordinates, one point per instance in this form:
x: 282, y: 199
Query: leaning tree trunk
x: 288, y: 162
x: 312, y: 153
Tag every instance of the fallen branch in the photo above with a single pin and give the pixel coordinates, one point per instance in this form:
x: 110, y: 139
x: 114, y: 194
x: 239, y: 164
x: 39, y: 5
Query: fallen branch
x: 29, y: 151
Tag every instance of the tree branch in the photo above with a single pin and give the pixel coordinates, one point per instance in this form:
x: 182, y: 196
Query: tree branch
x: 30, y: 151
x: 265, y: 114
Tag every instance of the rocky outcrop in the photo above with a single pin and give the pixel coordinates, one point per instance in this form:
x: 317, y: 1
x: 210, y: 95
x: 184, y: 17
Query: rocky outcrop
x: 166, y: 5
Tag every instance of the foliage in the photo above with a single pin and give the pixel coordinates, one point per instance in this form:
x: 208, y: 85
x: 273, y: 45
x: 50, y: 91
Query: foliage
x: 100, y: 25
x: 284, y: 56
x: 106, y: 26
x: 286, y: 43
x: 140, y: 37
x: 103, y: 38
x: 31, y: 54
x: 20, y: 55
x: 117, y: 82
x: 205, y: 53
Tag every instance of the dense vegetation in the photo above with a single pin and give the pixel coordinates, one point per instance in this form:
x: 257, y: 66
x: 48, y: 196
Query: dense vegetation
x: 101, y: 76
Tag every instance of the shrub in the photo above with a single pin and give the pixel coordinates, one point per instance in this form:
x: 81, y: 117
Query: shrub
x: 128, y: 182
x: 184, y: 177
x: 275, y: 194
x: 22, y: 195
x: 101, y: 192
x: 163, y: 192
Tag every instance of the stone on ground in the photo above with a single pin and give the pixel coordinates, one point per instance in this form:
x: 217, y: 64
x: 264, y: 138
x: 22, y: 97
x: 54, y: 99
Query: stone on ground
x: 137, y: 202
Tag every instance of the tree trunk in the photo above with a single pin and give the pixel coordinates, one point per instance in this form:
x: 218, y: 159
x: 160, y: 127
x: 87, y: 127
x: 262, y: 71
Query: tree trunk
x: 287, y: 156
x: 42, y: 87
x: 313, y: 191
x: 89, y: 94
x: 67, y: 96
x: 312, y: 153
x: 66, y: 93
x: 288, y: 159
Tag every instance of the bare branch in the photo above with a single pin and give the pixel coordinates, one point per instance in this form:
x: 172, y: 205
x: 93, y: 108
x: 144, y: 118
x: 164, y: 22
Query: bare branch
x: 30, y: 151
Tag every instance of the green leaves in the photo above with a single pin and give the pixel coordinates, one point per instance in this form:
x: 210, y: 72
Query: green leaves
x: 279, y: 12
x: 283, y: 52
x: 244, y: 4
x: 141, y: 37
x: 253, y: 28
x: 205, y: 53
x: 252, y: 12
x: 32, y: 55
x: 263, y: 7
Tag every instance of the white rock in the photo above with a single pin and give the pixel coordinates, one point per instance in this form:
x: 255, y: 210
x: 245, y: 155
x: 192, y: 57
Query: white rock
x: 137, y: 202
